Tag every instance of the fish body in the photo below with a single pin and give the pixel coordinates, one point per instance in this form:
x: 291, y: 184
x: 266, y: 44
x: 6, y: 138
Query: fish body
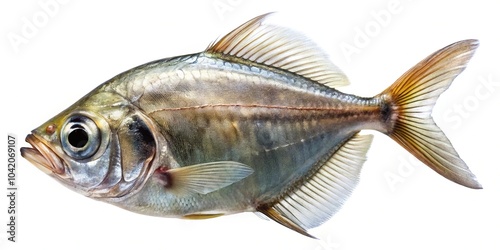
x: 253, y: 123
x: 282, y: 130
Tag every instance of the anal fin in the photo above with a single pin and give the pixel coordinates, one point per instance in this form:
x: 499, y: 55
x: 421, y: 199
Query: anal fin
x: 283, y: 220
x: 323, y: 192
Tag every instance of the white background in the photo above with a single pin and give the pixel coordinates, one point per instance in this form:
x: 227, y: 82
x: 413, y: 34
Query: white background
x: 80, y: 44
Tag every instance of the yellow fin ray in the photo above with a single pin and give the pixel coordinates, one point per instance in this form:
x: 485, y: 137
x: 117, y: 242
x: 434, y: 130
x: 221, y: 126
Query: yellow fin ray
x: 412, y: 98
x: 201, y: 216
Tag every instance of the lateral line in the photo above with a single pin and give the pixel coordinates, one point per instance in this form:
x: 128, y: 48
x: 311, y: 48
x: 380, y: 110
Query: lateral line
x: 340, y: 108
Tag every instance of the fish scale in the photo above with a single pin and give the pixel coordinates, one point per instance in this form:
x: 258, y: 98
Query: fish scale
x: 232, y: 82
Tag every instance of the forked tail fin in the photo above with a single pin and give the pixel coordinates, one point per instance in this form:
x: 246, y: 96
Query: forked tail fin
x: 411, y: 100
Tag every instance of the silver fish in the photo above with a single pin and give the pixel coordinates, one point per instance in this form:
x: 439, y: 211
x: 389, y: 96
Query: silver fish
x: 252, y: 124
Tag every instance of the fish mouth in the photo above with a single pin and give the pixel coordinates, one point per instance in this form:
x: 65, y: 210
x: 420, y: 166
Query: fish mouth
x: 42, y: 156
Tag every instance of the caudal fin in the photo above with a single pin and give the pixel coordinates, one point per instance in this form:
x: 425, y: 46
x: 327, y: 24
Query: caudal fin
x: 412, y: 98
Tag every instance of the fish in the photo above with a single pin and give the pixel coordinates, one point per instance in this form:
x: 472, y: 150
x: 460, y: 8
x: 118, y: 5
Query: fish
x: 254, y: 123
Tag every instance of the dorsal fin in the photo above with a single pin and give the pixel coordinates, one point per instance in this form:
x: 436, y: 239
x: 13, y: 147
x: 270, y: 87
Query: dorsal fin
x: 325, y: 191
x: 281, y: 48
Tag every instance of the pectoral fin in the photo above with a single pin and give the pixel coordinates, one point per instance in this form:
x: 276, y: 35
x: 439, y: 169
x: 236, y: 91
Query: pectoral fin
x: 324, y: 192
x: 203, y: 178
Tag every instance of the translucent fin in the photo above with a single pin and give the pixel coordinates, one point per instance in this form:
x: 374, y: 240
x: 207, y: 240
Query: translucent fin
x: 325, y: 191
x: 411, y: 99
x: 261, y: 216
x: 201, y: 216
x: 203, y: 178
x: 281, y: 48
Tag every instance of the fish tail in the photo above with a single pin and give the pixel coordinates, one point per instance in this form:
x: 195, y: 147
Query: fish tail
x: 407, y: 107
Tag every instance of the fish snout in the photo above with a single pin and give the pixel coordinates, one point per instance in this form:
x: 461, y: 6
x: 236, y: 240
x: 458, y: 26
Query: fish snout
x: 42, y: 156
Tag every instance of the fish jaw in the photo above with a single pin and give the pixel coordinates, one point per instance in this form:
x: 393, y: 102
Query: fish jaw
x: 48, y: 161
x: 43, y: 157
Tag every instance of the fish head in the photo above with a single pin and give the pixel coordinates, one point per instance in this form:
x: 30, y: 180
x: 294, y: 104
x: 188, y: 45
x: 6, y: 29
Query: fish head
x: 101, y: 147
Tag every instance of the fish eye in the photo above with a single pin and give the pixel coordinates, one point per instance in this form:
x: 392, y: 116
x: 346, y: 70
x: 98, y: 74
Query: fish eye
x: 80, y: 137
